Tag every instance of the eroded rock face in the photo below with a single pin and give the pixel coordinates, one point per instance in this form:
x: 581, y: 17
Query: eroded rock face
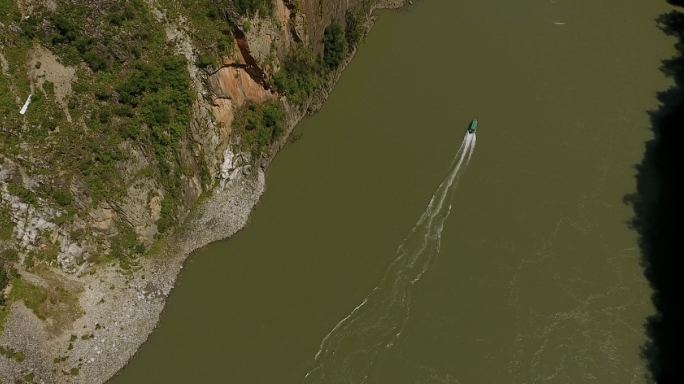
x: 283, y: 16
x: 234, y: 166
x: 300, y: 28
x: 31, y: 223
x: 235, y: 83
x: 269, y: 38
x: 102, y: 219
x: 35, y: 223
x: 192, y: 189
x: 211, y: 138
x: 142, y: 208
x: 119, y: 310
x: 224, y: 112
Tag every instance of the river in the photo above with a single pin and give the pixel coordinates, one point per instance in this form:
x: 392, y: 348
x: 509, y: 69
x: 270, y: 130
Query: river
x: 351, y: 270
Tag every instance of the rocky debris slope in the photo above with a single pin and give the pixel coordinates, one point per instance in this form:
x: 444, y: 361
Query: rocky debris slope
x: 97, y: 312
x: 120, y: 311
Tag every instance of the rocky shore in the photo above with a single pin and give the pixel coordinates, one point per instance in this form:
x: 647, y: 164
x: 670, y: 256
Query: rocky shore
x: 120, y: 309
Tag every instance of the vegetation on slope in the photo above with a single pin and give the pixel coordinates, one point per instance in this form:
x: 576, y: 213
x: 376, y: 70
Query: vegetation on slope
x: 301, y: 74
x: 129, y: 96
x: 133, y: 89
x: 335, y: 45
x: 211, y: 35
x: 303, y: 71
x: 657, y: 215
x: 252, y: 7
x: 260, y: 126
x: 355, y: 18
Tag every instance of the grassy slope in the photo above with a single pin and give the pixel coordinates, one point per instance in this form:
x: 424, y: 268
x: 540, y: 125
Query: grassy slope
x: 131, y: 88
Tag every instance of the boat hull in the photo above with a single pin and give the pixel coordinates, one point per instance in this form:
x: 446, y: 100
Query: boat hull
x: 473, y: 126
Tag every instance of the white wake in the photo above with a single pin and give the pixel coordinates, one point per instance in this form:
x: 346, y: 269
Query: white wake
x: 347, y: 353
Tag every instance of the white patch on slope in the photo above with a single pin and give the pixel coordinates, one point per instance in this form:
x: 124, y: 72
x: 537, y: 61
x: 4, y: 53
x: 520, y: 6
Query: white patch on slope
x: 26, y: 104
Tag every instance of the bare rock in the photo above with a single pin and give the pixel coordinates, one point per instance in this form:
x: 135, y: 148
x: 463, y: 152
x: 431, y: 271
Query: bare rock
x: 25, y: 335
x: 102, y: 219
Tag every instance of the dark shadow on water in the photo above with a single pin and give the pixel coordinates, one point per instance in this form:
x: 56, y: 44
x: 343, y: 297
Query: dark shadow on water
x: 658, y: 217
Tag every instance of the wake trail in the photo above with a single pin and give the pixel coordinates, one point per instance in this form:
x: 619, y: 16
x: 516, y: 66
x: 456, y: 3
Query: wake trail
x: 463, y: 143
x: 347, y: 352
x: 472, y: 147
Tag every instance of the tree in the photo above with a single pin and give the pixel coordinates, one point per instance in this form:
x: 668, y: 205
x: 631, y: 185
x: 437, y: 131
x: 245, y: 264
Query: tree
x: 335, y: 45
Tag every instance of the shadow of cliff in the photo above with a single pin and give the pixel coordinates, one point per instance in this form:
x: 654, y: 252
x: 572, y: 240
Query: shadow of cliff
x: 658, y: 212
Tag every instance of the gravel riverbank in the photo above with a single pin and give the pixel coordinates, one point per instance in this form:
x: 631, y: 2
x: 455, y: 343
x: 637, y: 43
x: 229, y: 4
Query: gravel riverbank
x: 120, y: 310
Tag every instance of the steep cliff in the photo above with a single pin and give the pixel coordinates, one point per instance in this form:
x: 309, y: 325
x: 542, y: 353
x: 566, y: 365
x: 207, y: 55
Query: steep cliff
x: 131, y: 133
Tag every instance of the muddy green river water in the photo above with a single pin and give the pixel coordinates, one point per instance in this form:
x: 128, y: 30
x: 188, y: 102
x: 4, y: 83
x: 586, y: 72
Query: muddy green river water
x: 520, y: 267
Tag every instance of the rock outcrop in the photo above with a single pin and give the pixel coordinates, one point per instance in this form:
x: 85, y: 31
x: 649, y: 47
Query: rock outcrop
x: 101, y: 309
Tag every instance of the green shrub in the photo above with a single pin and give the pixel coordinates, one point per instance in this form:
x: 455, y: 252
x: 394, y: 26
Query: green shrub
x: 50, y: 125
x: 6, y: 225
x: 102, y: 94
x: 9, y: 352
x: 80, y: 87
x: 163, y: 224
x: 261, y: 126
x: 166, y: 208
x: 207, y: 61
x: 32, y: 296
x: 105, y: 116
x: 251, y: 7
x: 9, y: 12
x: 118, y: 15
x: 137, y: 52
x: 272, y: 116
x: 335, y: 45
x: 95, y: 60
x: 4, y: 281
x: 62, y: 198
x: 212, y: 36
x: 130, y: 131
x: 68, y: 31
x: 124, y: 111
x: 10, y: 254
x: 127, y: 243
x: 355, y: 18
x: 73, y: 43
x: 300, y: 75
x: 28, y: 262
x: 223, y: 45
x: 48, y: 87
x: 138, y: 90
x: 37, y: 98
x: 162, y: 97
x: 156, y: 113
x: 116, y: 19
x: 24, y: 194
